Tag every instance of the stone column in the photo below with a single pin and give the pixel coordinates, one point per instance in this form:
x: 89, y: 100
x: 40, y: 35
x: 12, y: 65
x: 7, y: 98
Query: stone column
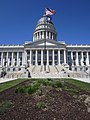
x: 58, y: 57
x: 87, y: 60
x: 82, y: 59
x: 46, y: 35
x: 36, y: 36
x: 77, y: 58
x: 43, y: 35
x: 53, y: 58
x: 30, y: 57
x: 41, y: 57
x: 49, y: 35
x: 36, y: 58
x: 7, y: 59
x: 65, y: 56
x: 52, y: 36
x: 2, y: 59
x: 25, y: 57
x: 47, y: 57
x: 72, y: 57
x: 18, y: 59
x: 39, y: 35
x: 12, y: 59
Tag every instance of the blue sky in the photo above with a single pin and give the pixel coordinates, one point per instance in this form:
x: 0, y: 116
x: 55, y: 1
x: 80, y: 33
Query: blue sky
x: 18, y: 19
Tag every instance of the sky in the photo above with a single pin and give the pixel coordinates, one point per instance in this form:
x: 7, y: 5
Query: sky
x: 18, y: 19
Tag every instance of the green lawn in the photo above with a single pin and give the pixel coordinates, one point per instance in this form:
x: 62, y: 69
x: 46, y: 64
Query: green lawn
x: 6, y: 85
x: 81, y: 85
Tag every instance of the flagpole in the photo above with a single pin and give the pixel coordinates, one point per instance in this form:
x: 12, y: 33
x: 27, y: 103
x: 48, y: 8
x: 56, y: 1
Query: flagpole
x: 48, y: 13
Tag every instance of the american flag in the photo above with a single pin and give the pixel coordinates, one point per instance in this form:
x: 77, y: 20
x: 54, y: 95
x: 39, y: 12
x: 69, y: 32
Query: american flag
x: 49, y: 11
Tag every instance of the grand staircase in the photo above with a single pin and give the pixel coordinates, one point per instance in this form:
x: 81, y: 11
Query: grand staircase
x: 55, y: 71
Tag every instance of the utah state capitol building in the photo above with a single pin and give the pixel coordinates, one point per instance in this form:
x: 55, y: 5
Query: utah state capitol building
x: 45, y: 55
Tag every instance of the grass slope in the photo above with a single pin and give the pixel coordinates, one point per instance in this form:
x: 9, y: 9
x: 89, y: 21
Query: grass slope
x: 6, y: 85
x: 82, y: 85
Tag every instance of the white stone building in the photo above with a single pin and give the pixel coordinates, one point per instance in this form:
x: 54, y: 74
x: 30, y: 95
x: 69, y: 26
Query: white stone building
x: 45, y: 53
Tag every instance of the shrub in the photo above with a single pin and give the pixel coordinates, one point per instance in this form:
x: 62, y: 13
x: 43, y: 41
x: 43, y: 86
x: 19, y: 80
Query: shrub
x: 41, y: 105
x: 4, y: 106
x: 49, y: 79
x: 58, y: 84
x: 20, y: 90
x: 32, y: 89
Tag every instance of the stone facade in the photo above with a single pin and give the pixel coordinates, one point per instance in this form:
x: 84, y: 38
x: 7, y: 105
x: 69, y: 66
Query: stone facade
x: 44, y: 50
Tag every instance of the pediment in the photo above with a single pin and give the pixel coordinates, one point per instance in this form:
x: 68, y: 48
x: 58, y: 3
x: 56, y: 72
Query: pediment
x: 41, y: 43
x: 47, y: 44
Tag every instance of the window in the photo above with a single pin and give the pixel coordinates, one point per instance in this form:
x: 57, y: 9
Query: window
x: 75, y: 69
x: 8, y: 69
x: 20, y: 63
x: 13, y: 69
x: 19, y: 69
x: 86, y: 68
x: 80, y: 69
x: 9, y: 63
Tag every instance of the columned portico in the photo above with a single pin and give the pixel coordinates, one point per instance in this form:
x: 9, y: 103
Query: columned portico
x: 46, y: 59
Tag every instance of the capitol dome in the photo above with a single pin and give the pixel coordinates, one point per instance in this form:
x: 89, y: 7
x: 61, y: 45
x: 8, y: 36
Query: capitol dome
x: 45, y: 29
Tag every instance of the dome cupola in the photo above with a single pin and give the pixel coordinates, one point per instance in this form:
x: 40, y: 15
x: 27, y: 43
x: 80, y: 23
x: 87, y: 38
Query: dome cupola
x: 45, y: 29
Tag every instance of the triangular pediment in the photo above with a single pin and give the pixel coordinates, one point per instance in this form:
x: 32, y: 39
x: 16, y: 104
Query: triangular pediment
x: 48, y: 43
